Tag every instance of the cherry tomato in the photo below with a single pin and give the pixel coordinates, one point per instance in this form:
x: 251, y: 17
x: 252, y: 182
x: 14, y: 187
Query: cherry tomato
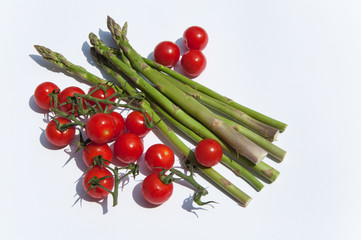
x: 208, y: 152
x: 101, y: 94
x: 93, y: 149
x: 57, y: 137
x: 98, y: 172
x: 64, y: 94
x: 159, y: 157
x: 135, y: 123
x: 193, y: 62
x: 155, y: 191
x: 166, y: 53
x: 100, y: 128
x: 195, y: 38
x: 41, y: 94
x: 119, y: 124
x: 128, y: 148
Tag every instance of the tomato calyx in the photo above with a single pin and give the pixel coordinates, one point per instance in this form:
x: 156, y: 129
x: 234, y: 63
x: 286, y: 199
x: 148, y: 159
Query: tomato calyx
x: 95, y: 182
x: 99, y: 161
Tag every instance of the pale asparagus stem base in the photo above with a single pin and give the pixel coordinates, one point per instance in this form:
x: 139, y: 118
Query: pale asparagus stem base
x: 211, y: 174
x: 259, y: 116
x: 239, y: 142
x: 275, y: 152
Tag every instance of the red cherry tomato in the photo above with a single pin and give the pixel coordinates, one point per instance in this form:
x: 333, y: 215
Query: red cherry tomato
x: 57, y: 137
x: 155, y: 191
x: 100, y: 128
x: 41, y: 94
x: 208, y: 152
x: 135, y: 123
x: 159, y: 157
x: 166, y: 53
x: 101, y: 94
x: 195, y: 38
x: 93, y: 149
x: 193, y: 63
x: 64, y: 94
x: 119, y: 124
x: 128, y: 148
x: 98, y: 172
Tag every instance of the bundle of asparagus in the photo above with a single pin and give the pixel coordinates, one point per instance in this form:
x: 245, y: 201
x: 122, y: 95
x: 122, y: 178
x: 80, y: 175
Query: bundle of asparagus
x: 245, y: 135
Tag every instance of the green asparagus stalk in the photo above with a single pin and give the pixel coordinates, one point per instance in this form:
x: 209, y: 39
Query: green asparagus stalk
x: 58, y: 60
x: 210, y: 173
x: 259, y: 116
x: 235, y: 167
x: 262, y: 170
x: 259, y: 169
x: 276, y: 152
x: 152, y: 92
x: 262, y: 129
x: 240, y: 143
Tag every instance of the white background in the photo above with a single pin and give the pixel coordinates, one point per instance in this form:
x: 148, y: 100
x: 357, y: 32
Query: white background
x: 297, y: 61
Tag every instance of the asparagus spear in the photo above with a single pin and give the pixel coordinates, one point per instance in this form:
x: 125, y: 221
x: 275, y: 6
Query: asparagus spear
x: 259, y: 116
x: 262, y: 129
x: 262, y: 170
x: 232, y: 137
x: 240, y: 171
x: 60, y: 61
x: 235, y: 167
x: 152, y: 92
x: 276, y: 152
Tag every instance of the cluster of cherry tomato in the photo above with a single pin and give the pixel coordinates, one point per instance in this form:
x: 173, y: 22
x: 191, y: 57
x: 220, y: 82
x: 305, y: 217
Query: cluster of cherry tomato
x: 193, y: 61
x: 102, y: 129
x: 105, y: 126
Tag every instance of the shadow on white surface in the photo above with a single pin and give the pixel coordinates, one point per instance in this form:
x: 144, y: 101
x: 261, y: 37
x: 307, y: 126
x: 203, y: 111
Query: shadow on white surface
x: 76, y: 156
x: 33, y: 106
x: 182, y: 48
x: 188, y: 206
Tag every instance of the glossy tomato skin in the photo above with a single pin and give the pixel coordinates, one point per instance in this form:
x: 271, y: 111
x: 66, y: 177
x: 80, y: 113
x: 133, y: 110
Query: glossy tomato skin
x: 193, y: 62
x: 41, y: 94
x: 208, y: 152
x: 155, y: 191
x: 135, y: 123
x: 57, y: 137
x: 64, y: 94
x: 98, y: 172
x: 101, y: 94
x: 195, y: 38
x: 166, y: 53
x: 159, y: 157
x: 119, y: 124
x: 93, y: 149
x: 100, y: 128
x: 128, y: 148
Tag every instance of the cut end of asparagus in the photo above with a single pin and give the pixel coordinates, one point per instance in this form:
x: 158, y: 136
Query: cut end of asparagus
x: 245, y: 204
x: 275, y: 137
x: 271, y: 174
